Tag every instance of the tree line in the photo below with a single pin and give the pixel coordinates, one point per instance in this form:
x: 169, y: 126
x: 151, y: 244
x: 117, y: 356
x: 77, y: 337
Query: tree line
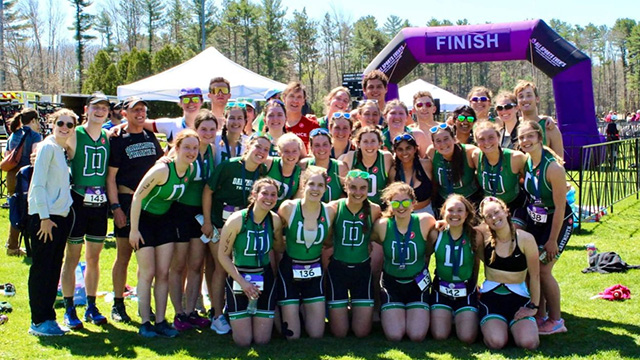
x: 120, y: 41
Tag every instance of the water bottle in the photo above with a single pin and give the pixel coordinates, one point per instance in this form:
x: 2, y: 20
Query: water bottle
x: 253, y: 306
x: 591, y: 250
x: 543, y: 255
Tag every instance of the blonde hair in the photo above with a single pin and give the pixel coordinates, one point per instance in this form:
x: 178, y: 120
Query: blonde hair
x: 184, y: 134
x: 311, y: 171
x: 331, y: 94
x: 480, y: 89
x: 63, y: 112
x: 288, y: 138
x: 484, y: 125
x: 523, y: 84
x: 493, y: 236
x: 398, y: 187
x: 538, y: 129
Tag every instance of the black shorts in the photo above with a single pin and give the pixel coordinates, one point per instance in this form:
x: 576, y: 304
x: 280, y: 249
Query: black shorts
x: 237, y: 302
x: 185, y: 218
x: 291, y: 291
x: 125, y: 204
x: 541, y: 231
x: 156, y: 230
x: 501, y: 307
x: 518, y: 211
x: 87, y: 220
x: 405, y: 294
x: 349, y: 279
x: 456, y: 305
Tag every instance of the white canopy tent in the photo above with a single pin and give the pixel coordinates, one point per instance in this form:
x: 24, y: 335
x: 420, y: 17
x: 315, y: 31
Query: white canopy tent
x: 197, y: 72
x: 448, y: 101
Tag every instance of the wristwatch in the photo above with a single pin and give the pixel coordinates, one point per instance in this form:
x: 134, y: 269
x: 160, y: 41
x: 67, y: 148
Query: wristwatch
x: 532, y: 306
x: 115, y: 206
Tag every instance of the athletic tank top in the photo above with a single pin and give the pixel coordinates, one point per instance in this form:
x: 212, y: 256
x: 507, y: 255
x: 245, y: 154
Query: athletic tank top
x: 454, y: 258
x: 498, y: 180
x: 202, y: 170
x: 350, y: 239
x: 300, y: 243
x: 404, y: 254
x: 334, y: 189
x: 543, y: 124
x: 466, y: 186
x: 535, y: 180
x: 160, y: 198
x: 288, y: 186
x: 377, y: 176
x: 254, y: 241
x: 89, y: 164
x: 515, y: 262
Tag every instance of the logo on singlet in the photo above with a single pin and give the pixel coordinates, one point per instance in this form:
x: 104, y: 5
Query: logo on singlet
x: 351, y: 234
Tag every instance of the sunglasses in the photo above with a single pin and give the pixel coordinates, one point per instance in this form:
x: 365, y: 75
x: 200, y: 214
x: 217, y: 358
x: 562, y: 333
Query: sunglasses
x: 365, y: 102
x: 358, y: 174
x: 193, y: 99
x: 396, y: 204
x: 462, y: 118
x: 405, y: 136
x: 61, y: 123
x: 339, y: 115
x: 479, y: 99
x: 435, y: 129
x: 505, y: 107
x: 236, y: 104
x: 219, y: 90
x: 318, y: 131
x: 426, y: 104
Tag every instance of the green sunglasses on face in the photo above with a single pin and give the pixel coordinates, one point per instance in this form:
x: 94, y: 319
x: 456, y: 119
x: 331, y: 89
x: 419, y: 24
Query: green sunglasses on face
x: 462, y: 118
x: 396, y: 204
x: 358, y: 174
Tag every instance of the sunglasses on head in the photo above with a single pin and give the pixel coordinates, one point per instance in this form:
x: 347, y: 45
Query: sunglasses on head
x: 462, y: 118
x: 426, y: 104
x: 358, y: 174
x: 505, y: 107
x: 190, y: 99
x: 435, y: 129
x: 276, y: 101
x: 396, y: 203
x: 479, y: 99
x: 318, y: 131
x: 405, y: 136
x: 339, y: 115
x: 219, y: 90
x: 365, y: 102
x: 236, y: 104
x: 61, y: 123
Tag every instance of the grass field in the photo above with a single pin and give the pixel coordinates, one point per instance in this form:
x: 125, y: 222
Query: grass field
x: 598, y: 329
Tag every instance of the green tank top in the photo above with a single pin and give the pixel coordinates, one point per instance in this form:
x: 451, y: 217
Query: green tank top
x: 543, y: 124
x: 202, y: 170
x: 254, y: 241
x: 89, y: 165
x: 350, y: 240
x: 301, y: 246
x: 467, y: 185
x: 288, y: 185
x: 498, y: 180
x: 404, y: 255
x: 377, y: 176
x: 334, y: 188
x: 160, y: 198
x: 446, y: 250
x: 533, y: 178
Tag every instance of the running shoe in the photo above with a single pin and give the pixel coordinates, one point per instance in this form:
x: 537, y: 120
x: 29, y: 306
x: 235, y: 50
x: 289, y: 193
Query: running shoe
x: 94, y: 316
x: 220, y: 325
x: 181, y: 323
x: 119, y: 313
x: 71, y: 319
x: 165, y: 330
x: 199, y: 321
x: 147, y: 330
x: 552, y: 327
x: 540, y: 320
x: 46, y: 328
x: 9, y: 289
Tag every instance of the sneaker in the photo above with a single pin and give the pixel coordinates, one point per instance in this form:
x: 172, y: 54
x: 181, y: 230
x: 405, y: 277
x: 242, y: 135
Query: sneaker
x: 552, y: 327
x: 165, y: 330
x: 9, y: 289
x: 198, y: 321
x: 71, y: 319
x: 181, y: 323
x: 93, y: 315
x: 540, y: 320
x: 119, y: 313
x: 147, y: 330
x: 46, y: 328
x: 220, y: 325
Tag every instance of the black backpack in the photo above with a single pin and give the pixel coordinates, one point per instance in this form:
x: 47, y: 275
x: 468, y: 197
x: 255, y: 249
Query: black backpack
x: 19, y: 206
x: 607, y: 262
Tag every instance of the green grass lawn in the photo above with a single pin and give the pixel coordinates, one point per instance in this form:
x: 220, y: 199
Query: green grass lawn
x: 598, y: 329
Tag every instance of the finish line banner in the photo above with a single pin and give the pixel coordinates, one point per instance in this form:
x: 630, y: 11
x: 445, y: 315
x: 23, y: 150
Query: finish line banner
x: 491, y: 41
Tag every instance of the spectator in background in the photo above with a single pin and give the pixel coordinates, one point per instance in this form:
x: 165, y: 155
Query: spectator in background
x: 374, y: 86
x: 115, y: 116
x: 219, y: 94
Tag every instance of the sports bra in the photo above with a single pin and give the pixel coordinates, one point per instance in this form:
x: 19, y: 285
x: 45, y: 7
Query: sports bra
x: 515, y: 262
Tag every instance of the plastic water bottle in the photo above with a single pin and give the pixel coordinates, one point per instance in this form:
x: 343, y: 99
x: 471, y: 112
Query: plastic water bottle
x: 253, y: 306
x: 543, y: 255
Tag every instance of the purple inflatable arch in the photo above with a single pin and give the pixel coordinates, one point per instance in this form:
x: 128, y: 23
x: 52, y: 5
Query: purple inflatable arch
x: 532, y: 40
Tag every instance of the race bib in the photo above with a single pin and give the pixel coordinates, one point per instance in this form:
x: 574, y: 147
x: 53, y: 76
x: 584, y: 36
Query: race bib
x: 306, y: 271
x: 423, y: 279
x: 95, y: 196
x: 453, y: 290
x: 255, y: 279
x: 537, y: 214
x: 227, y: 210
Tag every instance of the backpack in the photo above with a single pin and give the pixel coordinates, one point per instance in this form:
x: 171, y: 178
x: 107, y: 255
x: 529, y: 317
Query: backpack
x: 607, y: 262
x: 19, y: 206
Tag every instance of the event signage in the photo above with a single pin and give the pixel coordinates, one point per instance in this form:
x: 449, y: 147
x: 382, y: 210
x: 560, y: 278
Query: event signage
x: 474, y: 42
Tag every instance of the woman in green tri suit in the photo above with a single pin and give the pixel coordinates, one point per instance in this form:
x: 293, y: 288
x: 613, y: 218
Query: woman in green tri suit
x: 153, y: 230
x: 349, y: 270
x: 336, y: 101
x: 397, y: 117
x: 498, y: 170
x: 300, y: 276
x: 453, y: 295
x: 320, y: 146
x: 405, y: 280
x: 275, y: 116
x: 284, y: 169
x: 341, y: 128
x: 247, y: 238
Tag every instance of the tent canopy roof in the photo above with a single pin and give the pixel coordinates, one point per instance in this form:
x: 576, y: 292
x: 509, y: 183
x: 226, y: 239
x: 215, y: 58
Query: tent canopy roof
x: 448, y: 101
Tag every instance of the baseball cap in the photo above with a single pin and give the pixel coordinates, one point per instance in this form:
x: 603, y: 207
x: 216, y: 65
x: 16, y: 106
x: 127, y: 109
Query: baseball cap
x: 133, y: 101
x: 97, y: 97
x: 271, y: 93
x: 190, y: 92
x: 118, y: 106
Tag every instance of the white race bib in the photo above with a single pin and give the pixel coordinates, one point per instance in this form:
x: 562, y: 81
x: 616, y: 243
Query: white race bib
x: 423, y: 279
x: 255, y: 279
x: 453, y: 290
x: 306, y: 271
x: 95, y: 196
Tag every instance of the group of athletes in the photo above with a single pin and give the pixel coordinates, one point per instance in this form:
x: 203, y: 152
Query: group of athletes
x: 301, y: 219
